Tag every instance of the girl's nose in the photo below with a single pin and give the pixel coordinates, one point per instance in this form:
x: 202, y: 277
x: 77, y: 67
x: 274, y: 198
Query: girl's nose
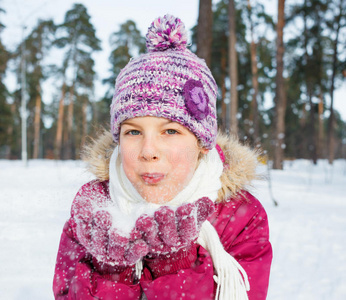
x: 150, y: 150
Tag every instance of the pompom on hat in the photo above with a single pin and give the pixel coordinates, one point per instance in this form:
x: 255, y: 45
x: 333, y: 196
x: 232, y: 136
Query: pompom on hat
x: 168, y: 81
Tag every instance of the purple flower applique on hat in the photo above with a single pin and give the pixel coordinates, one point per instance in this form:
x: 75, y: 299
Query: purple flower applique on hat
x: 196, y: 99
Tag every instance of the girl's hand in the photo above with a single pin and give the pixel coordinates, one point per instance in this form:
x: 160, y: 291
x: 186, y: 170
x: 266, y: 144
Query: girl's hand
x: 107, y: 244
x: 168, y: 231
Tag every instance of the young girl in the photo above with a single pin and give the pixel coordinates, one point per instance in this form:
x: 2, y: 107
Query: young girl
x: 168, y: 216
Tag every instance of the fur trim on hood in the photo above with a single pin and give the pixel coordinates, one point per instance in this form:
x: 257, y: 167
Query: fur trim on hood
x: 239, y: 171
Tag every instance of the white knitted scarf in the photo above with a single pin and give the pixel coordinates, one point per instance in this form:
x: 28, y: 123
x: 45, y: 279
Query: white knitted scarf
x: 231, y: 278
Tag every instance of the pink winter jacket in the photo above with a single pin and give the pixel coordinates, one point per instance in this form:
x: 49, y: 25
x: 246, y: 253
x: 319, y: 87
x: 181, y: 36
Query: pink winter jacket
x: 241, y: 223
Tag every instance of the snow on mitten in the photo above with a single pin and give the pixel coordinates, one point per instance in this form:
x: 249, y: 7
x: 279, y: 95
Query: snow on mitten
x: 186, y: 220
x: 149, y: 228
x: 83, y: 232
x: 108, y: 241
x: 205, y: 207
x: 102, y: 222
x: 81, y: 213
x: 179, y: 229
x: 124, y: 251
x: 167, y: 227
x: 190, y: 217
x: 136, y: 251
x: 82, y: 210
x: 117, y: 245
x: 135, y: 234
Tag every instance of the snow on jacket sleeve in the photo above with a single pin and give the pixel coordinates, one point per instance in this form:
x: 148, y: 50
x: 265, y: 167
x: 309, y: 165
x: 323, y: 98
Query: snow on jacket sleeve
x: 243, y: 229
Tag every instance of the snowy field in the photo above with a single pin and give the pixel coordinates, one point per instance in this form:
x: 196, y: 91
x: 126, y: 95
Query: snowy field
x: 308, y: 227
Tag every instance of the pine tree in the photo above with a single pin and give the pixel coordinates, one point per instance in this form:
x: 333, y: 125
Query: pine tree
x: 338, y: 21
x: 309, y: 61
x: 254, y: 72
x: 78, y: 39
x: 261, y: 58
x: 127, y: 42
x: 38, y: 44
x: 220, y: 63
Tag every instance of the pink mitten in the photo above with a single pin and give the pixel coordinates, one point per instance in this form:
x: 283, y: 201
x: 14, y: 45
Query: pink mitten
x: 178, y: 233
x: 107, y: 240
x: 175, y: 230
x: 102, y: 221
x: 125, y: 251
x: 106, y: 243
x: 83, y: 232
x: 190, y: 218
x: 205, y: 207
x: 167, y: 227
x: 82, y: 210
x: 81, y: 220
x: 136, y: 251
x: 149, y: 228
x: 187, y: 225
x: 117, y: 245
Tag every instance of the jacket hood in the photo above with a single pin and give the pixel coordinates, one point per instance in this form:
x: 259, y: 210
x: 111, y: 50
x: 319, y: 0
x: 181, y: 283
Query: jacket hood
x: 239, y: 171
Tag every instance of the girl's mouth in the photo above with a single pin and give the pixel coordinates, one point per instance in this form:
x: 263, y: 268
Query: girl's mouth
x: 152, y: 178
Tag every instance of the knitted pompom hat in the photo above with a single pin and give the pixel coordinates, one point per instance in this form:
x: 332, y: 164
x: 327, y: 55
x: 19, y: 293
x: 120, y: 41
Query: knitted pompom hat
x: 168, y: 81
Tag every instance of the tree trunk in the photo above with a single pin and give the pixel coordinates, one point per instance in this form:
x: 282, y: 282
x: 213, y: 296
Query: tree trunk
x: 204, y: 30
x: 301, y: 143
x: 331, y: 121
x: 312, y: 132
x: 320, y: 126
x: 69, y: 146
x: 320, y: 109
x: 233, y: 68
x: 254, y: 71
x: 85, y: 124
x: 37, y: 124
x: 64, y: 153
x: 224, y: 124
x: 10, y: 130
x: 280, y: 107
x: 59, y: 130
x: 309, y: 82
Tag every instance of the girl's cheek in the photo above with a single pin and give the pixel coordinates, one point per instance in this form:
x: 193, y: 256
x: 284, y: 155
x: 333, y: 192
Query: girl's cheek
x: 183, y: 156
x: 128, y: 155
x: 184, y: 171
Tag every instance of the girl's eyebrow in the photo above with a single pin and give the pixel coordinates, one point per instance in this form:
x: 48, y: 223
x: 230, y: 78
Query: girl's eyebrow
x: 170, y: 121
x: 128, y: 122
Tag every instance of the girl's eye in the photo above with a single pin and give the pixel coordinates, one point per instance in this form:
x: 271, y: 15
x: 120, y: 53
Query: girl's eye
x: 133, y: 132
x: 171, y: 131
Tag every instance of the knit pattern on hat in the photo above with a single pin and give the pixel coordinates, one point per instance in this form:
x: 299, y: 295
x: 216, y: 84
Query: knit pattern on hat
x: 170, y: 82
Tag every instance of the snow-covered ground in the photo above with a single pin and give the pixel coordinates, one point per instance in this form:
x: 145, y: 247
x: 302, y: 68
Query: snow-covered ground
x: 308, y: 227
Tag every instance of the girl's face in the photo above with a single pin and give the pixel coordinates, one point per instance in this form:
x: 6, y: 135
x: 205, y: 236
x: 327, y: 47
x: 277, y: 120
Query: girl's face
x: 159, y: 156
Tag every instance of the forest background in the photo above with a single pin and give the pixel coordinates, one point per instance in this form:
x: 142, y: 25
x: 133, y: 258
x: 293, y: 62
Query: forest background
x: 277, y: 78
